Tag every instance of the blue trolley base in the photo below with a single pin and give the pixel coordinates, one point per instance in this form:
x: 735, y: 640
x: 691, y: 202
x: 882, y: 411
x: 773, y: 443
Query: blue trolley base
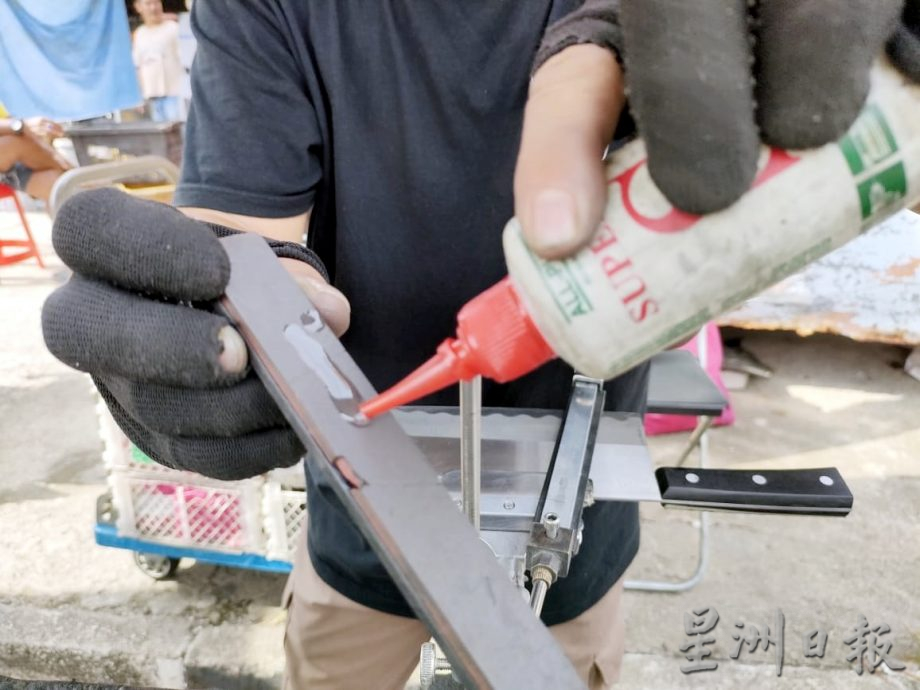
x: 106, y: 535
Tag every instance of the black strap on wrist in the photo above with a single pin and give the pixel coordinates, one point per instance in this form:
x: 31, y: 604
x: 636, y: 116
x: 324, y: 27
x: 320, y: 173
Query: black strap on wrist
x: 282, y: 249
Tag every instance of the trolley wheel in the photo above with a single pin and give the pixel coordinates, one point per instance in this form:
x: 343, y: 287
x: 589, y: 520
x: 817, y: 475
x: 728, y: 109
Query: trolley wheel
x: 156, y: 566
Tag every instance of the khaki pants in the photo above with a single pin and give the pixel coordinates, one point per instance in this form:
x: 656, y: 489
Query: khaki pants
x: 333, y: 643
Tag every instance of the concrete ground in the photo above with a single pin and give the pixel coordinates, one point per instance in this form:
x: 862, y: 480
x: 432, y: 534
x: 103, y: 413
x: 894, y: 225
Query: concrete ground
x: 72, y: 610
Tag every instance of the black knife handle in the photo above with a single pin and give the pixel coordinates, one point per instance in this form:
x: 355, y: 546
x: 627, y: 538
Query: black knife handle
x: 806, y: 492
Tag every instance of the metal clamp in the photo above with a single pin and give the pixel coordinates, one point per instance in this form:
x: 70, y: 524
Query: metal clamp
x: 555, y: 534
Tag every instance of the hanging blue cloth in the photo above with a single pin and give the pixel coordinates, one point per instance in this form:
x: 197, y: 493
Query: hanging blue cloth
x: 66, y: 60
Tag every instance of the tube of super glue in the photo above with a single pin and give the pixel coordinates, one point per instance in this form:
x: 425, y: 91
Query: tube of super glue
x: 653, y: 275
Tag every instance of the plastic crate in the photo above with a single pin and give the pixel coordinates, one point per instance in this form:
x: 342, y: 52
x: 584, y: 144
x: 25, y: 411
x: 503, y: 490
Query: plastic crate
x: 185, y: 509
x: 115, y: 445
x: 292, y: 477
x: 285, y: 510
x: 118, y: 451
x: 264, y: 515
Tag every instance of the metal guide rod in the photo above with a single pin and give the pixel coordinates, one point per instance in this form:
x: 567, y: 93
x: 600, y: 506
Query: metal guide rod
x: 448, y: 576
x: 538, y: 595
x: 471, y: 447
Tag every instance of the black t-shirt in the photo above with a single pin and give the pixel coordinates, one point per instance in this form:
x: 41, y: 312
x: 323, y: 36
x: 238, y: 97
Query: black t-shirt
x: 398, y: 123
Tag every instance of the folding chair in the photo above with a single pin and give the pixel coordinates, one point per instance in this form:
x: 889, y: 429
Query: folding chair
x: 27, y: 246
x: 115, y: 174
x: 678, y: 384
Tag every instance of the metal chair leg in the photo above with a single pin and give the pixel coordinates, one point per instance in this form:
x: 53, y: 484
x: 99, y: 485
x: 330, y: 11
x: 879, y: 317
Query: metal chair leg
x: 702, y: 426
x: 700, y: 438
x: 25, y: 226
x: 27, y: 247
x: 703, y: 550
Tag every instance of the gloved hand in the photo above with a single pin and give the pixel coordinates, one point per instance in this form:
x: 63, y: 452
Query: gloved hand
x: 136, y: 316
x: 706, y: 82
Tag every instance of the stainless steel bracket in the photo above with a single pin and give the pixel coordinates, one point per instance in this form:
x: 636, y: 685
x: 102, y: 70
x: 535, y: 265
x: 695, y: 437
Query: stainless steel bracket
x: 557, y: 524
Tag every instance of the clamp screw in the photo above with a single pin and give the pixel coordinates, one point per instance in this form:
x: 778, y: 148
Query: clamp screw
x: 551, y: 525
x: 429, y: 665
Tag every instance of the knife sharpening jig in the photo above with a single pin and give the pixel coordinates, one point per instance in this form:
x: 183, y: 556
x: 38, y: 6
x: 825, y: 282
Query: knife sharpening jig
x: 521, y: 479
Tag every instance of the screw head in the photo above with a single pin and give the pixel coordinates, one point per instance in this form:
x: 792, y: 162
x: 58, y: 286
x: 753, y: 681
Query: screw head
x: 427, y: 664
x: 551, y: 525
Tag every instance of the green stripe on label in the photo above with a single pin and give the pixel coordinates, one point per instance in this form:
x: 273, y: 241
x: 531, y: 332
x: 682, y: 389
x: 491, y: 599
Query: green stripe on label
x: 882, y: 190
x: 561, y: 282
x: 869, y: 149
x: 869, y: 141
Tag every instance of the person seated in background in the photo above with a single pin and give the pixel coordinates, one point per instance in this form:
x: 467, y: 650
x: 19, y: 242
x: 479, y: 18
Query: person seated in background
x: 28, y: 161
x: 158, y: 62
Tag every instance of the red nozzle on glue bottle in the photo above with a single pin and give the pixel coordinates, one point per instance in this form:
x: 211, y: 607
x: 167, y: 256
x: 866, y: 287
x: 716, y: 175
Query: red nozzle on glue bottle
x: 496, y: 338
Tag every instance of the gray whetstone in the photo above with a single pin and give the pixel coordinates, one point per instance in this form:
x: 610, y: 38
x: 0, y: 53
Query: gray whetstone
x: 679, y: 385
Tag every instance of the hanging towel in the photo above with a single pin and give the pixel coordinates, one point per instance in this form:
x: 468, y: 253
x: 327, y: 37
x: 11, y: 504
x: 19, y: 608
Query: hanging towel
x: 66, y: 60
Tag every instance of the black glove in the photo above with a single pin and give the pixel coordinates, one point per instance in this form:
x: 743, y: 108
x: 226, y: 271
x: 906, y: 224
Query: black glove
x: 136, y: 316
x: 708, y: 80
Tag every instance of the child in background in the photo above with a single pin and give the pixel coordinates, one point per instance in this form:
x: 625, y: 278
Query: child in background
x: 156, y: 57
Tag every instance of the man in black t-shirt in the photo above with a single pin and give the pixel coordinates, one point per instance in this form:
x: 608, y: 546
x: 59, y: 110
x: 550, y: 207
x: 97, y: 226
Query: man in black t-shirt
x: 392, y: 131
x: 401, y: 136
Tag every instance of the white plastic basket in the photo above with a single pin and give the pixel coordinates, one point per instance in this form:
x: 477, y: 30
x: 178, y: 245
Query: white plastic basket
x: 285, y: 511
x: 118, y: 451
x: 264, y: 515
x: 289, y: 477
x: 189, y: 510
x: 114, y: 443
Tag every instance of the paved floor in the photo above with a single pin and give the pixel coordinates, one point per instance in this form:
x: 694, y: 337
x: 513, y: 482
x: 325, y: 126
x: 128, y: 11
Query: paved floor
x: 72, y: 610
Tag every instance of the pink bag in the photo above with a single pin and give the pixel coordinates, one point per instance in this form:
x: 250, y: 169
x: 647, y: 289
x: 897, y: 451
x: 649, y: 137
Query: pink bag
x: 668, y: 423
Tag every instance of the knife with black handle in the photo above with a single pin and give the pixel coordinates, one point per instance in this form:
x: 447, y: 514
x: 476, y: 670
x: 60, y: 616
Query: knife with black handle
x: 802, y: 492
